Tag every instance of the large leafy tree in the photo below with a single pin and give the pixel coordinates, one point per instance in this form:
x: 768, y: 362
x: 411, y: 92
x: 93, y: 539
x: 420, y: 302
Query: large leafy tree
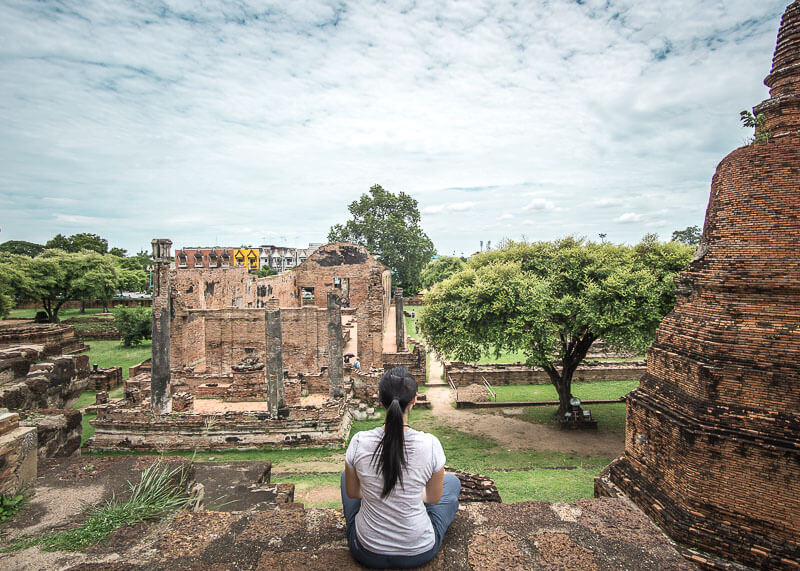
x: 440, y: 269
x: 689, y: 235
x: 388, y: 226
x: 552, y: 300
x: 21, y: 247
x: 55, y: 277
x: 13, y: 281
x: 78, y: 242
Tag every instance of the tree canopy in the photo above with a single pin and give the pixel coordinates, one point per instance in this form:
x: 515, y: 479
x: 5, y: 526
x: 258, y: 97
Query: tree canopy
x: 388, y: 226
x: 552, y: 300
x: 440, y: 269
x: 689, y: 235
x: 78, y: 242
x: 21, y: 247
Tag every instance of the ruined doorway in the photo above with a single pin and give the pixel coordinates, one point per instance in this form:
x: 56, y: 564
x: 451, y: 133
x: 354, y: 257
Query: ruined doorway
x: 343, y: 287
x: 307, y: 295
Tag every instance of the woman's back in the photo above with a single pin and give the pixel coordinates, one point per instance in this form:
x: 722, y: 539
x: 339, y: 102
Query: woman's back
x: 398, y: 523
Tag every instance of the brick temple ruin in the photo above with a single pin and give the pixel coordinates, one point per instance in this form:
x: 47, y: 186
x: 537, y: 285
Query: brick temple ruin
x: 242, y: 361
x: 713, y: 432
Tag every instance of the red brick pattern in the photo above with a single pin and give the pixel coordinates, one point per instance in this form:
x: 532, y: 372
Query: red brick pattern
x: 713, y: 433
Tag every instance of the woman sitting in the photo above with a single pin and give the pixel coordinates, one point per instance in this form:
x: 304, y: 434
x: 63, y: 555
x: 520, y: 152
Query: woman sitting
x: 398, y: 501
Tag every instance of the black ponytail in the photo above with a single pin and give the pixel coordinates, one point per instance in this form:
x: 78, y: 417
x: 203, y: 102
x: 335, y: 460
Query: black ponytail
x: 396, y: 389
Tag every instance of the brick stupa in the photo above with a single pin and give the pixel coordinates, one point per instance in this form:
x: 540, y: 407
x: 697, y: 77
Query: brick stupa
x: 712, y: 449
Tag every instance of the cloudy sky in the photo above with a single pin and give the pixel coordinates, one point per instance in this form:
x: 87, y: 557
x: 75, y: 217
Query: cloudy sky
x: 235, y: 122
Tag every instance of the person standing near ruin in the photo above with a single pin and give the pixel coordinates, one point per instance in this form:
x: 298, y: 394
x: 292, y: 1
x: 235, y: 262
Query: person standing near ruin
x: 398, y: 502
x: 357, y: 365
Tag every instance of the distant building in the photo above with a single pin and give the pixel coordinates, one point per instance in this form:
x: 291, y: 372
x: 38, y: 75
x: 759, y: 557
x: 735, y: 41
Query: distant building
x: 247, y: 257
x: 281, y: 258
x: 204, y: 258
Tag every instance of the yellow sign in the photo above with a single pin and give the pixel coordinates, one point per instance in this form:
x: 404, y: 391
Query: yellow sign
x: 247, y: 257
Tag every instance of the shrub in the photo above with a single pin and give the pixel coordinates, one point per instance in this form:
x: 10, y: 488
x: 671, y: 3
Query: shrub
x: 134, y: 324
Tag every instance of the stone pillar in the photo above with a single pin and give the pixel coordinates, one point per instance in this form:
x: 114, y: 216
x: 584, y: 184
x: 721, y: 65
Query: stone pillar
x: 162, y: 320
x: 335, y: 367
x: 400, y: 327
x: 276, y: 395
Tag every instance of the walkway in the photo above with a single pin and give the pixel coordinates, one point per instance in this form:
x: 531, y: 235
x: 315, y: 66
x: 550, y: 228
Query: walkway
x: 513, y: 433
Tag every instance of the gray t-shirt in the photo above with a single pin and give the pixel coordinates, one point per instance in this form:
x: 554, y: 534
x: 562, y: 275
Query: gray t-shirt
x: 397, y: 524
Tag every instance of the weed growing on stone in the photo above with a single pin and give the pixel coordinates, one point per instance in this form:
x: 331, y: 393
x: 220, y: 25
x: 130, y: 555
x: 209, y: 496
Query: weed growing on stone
x: 160, y: 491
x: 10, y: 505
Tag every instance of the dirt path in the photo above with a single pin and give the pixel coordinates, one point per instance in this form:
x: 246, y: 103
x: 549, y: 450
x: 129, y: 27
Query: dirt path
x: 513, y: 433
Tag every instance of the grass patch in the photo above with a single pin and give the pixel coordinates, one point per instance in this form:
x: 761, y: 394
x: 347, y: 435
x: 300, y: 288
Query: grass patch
x: 111, y: 353
x: 87, y: 398
x: 610, y: 417
x: 306, y: 482
x: 277, y: 457
x: 545, y: 485
x: 600, y: 390
x: 62, y: 314
x: 87, y: 430
x: 160, y: 491
x: 10, y: 505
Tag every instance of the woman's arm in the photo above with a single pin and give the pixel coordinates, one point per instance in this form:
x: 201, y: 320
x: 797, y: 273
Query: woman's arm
x: 432, y: 492
x: 351, y: 483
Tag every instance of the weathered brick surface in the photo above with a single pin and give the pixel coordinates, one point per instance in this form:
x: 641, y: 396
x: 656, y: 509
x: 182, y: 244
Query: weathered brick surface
x: 713, y: 433
x: 55, y: 338
x: 26, y: 385
x: 104, y: 379
x: 58, y: 431
x: 414, y: 361
x: 18, y: 460
x: 117, y: 427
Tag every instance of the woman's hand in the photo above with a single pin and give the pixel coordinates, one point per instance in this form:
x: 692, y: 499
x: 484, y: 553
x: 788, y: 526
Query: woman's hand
x: 432, y: 492
x: 352, y: 485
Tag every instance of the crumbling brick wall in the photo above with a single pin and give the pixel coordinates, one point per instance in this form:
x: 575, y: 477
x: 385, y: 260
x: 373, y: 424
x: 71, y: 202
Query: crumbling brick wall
x: 465, y: 374
x: 26, y: 384
x: 712, y: 432
x: 414, y: 361
x: 55, y: 338
x: 104, y: 379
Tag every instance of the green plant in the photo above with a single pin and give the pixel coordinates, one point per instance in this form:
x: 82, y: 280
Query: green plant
x: 133, y: 323
x: 756, y: 122
x: 10, y: 505
x: 161, y: 490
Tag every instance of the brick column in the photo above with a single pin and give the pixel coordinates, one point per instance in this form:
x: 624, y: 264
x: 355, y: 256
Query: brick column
x: 273, y: 358
x: 162, y: 320
x: 335, y: 372
x: 400, y: 322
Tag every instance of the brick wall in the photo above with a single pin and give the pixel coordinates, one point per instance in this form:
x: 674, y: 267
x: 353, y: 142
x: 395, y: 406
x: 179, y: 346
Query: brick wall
x: 464, y: 374
x: 713, y: 432
x: 56, y: 338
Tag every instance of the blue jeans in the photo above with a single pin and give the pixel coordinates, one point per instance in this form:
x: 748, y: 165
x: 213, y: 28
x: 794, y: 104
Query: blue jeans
x: 441, y: 515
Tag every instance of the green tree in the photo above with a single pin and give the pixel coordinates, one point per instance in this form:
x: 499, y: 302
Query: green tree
x: 439, y: 270
x: 13, y: 281
x: 55, y: 277
x: 689, y: 235
x: 135, y: 280
x: 388, y: 226
x: 78, y: 242
x: 134, y: 324
x: 552, y: 300
x: 98, y: 278
x: 21, y: 247
x: 119, y: 252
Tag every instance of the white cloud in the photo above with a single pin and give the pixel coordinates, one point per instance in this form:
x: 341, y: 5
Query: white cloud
x: 628, y: 218
x: 194, y: 121
x: 450, y: 207
x: 540, y: 204
x: 506, y: 216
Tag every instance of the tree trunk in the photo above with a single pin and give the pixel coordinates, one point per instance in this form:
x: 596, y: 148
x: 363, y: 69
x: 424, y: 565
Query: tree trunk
x: 83, y: 306
x: 574, y: 353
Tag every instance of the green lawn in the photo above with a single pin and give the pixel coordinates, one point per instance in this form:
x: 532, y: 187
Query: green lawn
x: 112, y: 353
x: 62, y: 314
x: 586, y: 391
x: 610, y: 417
x: 411, y: 326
